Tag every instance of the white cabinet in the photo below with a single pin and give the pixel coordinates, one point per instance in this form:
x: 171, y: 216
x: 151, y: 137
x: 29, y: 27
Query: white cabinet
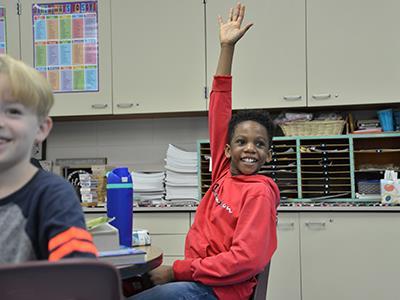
x: 167, y: 230
x: 158, y: 56
x: 284, y: 279
x: 349, y: 256
x: 334, y: 255
x: 65, y: 48
x: 269, y: 68
x: 344, y: 52
x: 320, y: 255
x: 9, y: 28
x: 353, y: 52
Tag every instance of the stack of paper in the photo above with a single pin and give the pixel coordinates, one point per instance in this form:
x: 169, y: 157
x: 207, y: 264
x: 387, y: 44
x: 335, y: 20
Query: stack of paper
x: 148, y: 187
x: 181, y: 182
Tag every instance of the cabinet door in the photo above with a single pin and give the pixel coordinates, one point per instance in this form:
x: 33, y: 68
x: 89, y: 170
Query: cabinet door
x: 284, y: 277
x: 353, y: 52
x: 269, y: 66
x: 349, y: 256
x: 158, y: 56
x: 63, y: 46
x: 9, y: 29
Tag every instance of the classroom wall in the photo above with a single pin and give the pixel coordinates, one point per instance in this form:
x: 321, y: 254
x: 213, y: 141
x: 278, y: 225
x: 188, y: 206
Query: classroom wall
x: 137, y: 143
x: 141, y: 144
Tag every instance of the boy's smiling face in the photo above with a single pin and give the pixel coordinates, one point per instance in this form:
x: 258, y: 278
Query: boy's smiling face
x: 19, y: 128
x: 248, y: 149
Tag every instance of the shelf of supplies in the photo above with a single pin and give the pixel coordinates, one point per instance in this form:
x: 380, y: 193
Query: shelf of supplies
x: 322, y: 167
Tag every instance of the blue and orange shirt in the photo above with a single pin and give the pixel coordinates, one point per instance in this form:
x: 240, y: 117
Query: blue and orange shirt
x: 43, y: 220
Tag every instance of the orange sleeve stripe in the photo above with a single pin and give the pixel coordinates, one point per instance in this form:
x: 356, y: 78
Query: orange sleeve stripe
x: 67, y: 235
x: 73, y: 246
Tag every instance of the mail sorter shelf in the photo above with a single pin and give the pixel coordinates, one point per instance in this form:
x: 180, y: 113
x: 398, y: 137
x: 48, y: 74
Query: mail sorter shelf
x: 320, y: 168
x: 372, y: 158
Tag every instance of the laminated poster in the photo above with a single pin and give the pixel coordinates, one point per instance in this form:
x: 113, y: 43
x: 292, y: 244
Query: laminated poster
x: 3, y: 36
x: 65, y: 37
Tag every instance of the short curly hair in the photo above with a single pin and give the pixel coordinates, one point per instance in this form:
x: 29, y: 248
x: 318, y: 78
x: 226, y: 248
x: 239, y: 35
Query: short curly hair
x: 261, y: 117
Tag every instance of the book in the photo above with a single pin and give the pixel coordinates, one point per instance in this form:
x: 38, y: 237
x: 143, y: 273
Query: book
x: 367, y: 131
x: 123, y: 256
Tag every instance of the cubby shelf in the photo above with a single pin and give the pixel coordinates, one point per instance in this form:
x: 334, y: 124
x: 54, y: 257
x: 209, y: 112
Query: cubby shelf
x: 320, y: 168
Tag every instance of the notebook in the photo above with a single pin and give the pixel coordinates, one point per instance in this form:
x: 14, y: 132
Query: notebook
x: 123, y: 256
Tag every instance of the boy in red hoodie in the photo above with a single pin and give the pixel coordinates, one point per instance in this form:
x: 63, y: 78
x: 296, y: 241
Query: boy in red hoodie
x: 233, y: 235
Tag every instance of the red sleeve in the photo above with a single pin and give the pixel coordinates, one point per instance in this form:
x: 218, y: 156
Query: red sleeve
x: 253, y: 244
x: 218, y: 120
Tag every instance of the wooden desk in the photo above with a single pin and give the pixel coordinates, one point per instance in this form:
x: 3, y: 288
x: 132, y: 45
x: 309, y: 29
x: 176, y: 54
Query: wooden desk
x: 153, y: 259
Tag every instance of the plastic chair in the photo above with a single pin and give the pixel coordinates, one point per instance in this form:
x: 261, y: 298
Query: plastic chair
x: 68, y: 279
x: 260, y: 290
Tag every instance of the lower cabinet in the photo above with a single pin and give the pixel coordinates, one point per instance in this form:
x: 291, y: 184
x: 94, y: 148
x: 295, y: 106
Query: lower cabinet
x: 330, y: 256
x: 167, y: 230
x: 350, y: 256
x: 320, y: 255
x: 284, y: 276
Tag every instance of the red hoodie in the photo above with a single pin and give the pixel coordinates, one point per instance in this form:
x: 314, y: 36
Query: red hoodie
x: 233, y: 235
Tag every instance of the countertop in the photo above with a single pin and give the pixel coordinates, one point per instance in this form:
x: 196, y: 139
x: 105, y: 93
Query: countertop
x: 292, y: 208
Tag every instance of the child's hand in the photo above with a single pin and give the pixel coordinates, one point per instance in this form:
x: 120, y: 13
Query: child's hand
x: 230, y: 32
x: 162, y: 274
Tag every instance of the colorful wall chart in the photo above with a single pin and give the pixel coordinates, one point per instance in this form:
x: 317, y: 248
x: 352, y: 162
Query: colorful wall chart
x: 65, y: 37
x: 3, y: 35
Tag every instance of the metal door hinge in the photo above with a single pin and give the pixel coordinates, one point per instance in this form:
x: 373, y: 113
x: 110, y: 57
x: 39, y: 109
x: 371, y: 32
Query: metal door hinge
x: 19, y: 8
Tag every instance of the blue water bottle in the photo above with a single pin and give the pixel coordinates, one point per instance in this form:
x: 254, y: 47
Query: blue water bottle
x: 120, y: 202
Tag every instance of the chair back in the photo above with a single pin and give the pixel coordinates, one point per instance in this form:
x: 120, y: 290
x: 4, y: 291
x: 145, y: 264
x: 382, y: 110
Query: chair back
x: 260, y: 290
x: 68, y: 279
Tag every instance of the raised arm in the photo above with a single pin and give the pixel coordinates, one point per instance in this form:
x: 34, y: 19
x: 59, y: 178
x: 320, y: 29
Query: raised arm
x: 221, y: 100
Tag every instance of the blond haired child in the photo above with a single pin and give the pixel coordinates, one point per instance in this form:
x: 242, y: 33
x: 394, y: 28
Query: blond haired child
x: 40, y: 214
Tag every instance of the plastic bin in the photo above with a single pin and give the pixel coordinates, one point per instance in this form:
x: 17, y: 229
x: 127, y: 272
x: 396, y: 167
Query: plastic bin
x: 369, y: 187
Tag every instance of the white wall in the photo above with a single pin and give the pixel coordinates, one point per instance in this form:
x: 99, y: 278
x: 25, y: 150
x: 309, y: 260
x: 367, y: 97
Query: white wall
x: 141, y: 144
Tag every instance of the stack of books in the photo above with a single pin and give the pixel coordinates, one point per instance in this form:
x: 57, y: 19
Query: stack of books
x: 368, y: 126
x: 181, y: 181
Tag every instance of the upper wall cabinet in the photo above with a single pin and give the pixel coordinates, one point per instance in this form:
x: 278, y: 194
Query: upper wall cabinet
x: 158, y: 56
x: 69, y: 42
x: 269, y: 68
x: 9, y: 28
x: 353, y: 52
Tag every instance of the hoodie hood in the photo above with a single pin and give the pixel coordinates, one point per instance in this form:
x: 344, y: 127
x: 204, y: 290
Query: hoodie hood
x: 260, y: 178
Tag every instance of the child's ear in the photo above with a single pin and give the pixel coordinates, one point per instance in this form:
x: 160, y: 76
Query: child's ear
x: 228, y: 151
x: 45, y: 126
x: 269, y: 156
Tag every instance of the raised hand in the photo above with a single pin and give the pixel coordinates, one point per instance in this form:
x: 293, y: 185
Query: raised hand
x: 231, y: 30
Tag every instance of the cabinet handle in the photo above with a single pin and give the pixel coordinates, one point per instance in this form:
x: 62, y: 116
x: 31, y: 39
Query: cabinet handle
x: 316, y: 225
x: 99, y: 106
x: 321, y: 96
x: 286, y: 226
x: 292, y: 98
x: 124, y: 105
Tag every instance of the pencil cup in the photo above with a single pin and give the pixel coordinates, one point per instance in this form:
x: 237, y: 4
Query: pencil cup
x: 120, y: 202
x: 386, y: 119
